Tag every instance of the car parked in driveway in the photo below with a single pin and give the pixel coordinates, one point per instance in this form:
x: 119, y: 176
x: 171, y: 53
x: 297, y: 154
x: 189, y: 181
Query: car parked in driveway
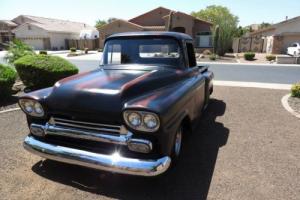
x: 294, y: 50
x: 130, y: 115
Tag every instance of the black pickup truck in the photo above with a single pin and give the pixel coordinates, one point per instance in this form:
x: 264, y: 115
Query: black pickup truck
x: 130, y: 115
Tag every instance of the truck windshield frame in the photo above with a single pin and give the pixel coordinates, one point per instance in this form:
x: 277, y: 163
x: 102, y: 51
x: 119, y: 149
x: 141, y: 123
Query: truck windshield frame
x: 147, y: 51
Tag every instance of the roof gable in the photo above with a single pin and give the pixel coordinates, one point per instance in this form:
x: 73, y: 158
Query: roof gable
x: 277, y: 26
x: 53, y: 25
x: 121, y: 22
x: 152, y: 18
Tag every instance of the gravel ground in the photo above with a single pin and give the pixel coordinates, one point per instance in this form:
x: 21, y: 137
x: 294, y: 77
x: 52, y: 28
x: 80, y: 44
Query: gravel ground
x: 246, y: 147
x: 294, y: 103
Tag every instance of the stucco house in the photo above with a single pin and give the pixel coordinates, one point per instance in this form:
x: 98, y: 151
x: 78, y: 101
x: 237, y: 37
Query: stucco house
x: 158, y: 20
x: 6, y: 27
x: 47, y: 33
x: 279, y: 36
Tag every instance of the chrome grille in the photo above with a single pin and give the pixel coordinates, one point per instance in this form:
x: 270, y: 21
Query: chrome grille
x: 116, y: 129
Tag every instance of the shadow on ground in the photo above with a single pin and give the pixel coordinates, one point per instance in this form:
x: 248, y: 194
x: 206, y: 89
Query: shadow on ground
x: 190, y: 179
x: 8, y: 101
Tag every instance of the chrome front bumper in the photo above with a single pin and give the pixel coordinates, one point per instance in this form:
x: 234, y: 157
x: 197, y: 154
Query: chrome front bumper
x: 113, y: 163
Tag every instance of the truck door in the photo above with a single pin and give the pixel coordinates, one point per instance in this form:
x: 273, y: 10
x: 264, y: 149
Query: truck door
x: 199, y: 87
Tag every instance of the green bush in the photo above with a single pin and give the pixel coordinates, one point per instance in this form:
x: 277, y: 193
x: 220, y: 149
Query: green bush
x: 249, y: 55
x: 213, y: 57
x: 43, y: 52
x: 16, y: 50
x: 100, y: 50
x: 296, y: 90
x: 73, y: 49
x: 86, y: 50
x: 40, y: 71
x: 270, y: 57
x: 7, y: 80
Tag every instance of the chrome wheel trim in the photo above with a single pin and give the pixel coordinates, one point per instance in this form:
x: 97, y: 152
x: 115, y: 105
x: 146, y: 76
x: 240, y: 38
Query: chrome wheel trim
x: 178, y: 142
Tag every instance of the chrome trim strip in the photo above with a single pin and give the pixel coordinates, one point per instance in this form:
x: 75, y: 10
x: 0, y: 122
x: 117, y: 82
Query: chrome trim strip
x: 119, y: 139
x: 86, y: 135
x: 87, y: 127
x: 113, y: 163
x: 82, y: 122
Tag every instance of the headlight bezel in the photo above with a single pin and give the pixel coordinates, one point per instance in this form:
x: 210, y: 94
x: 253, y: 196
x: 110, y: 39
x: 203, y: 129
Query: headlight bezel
x: 142, y: 127
x: 34, y: 105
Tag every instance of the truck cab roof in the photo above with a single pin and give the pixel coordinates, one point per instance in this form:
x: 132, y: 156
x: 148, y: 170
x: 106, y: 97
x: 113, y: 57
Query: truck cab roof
x: 175, y: 35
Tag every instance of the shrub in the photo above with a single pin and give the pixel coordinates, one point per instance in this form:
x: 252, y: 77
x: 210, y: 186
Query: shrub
x: 7, y: 80
x: 206, y: 52
x: 249, y: 55
x: 86, y: 50
x: 43, y: 52
x: 16, y: 50
x: 296, y: 90
x: 100, y: 50
x: 39, y: 71
x: 73, y: 49
x: 213, y: 57
x: 270, y: 57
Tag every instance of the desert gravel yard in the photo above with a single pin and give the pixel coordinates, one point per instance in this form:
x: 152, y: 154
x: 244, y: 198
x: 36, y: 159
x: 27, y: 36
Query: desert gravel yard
x: 246, y: 147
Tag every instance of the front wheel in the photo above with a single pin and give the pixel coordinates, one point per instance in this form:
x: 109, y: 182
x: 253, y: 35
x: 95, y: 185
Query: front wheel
x: 177, y: 147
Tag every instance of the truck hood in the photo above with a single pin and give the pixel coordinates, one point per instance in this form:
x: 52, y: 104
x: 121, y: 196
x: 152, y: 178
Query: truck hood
x: 102, y: 93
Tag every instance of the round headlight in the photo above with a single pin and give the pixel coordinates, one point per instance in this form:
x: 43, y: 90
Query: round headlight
x: 28, y: 106
x: 150, y: 121
x: 32, y: 107
x: 38, y: 108
x: 134, y: 119
x: 142, y: 120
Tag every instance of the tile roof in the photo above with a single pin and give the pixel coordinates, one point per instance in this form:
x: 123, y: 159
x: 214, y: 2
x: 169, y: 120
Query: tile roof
x: 9, y: 22
x: 154, y: 28
x: 58, y: 25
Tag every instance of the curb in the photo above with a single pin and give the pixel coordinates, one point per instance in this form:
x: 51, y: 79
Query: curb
x: 9, y: 110
x: 248, y: 64
x: 285, y: 104
x: 274, y: 86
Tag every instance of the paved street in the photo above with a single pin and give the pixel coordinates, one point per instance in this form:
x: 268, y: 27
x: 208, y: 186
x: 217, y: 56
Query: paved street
x: 233, y: 72
x: 226, y: 72
x: 246, y: 147
x: 256, y: 73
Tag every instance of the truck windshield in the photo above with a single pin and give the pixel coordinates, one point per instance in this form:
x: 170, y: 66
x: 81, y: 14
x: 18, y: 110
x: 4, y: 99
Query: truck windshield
x: 163, y: 51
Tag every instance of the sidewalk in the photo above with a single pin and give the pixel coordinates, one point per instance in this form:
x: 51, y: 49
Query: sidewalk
x: 92, y: 55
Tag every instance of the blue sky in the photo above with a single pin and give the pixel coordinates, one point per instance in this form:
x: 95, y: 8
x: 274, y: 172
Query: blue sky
x: 88, y: 11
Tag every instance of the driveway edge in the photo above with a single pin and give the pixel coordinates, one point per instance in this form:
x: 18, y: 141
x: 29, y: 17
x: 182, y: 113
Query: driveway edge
x: 285, y: 104
x: 9, y: 110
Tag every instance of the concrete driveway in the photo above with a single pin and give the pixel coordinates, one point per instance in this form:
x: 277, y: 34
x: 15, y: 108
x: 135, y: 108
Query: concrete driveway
x: 246, y: 147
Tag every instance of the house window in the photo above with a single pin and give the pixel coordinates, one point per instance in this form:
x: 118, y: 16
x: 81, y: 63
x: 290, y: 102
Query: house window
x: 29, y: 27
x: 204, y: 39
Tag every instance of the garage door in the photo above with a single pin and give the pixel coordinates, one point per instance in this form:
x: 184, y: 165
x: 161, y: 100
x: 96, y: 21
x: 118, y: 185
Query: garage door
x: 37, y: 44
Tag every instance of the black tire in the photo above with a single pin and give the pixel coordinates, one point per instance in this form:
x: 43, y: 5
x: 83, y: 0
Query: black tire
x: 177, y: 146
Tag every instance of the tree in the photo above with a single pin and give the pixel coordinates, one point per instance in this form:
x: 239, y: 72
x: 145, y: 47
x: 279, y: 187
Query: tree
x: 227, y: 22
x: 264, y: 25
x: 240, y: 31
x: 111, y: 19
x: 216, y: 38
x: 100, y: 23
